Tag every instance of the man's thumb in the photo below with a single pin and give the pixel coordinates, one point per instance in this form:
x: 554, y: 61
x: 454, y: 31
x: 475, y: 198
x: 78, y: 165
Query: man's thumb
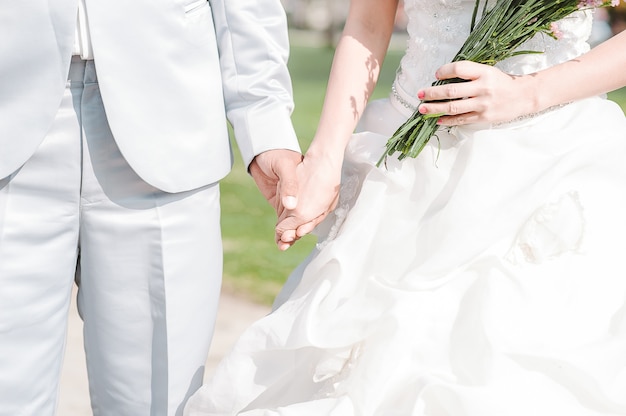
x: 288, y: 185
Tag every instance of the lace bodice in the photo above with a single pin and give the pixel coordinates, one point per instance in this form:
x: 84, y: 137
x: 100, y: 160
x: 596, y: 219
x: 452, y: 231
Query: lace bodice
x: 438, y: 28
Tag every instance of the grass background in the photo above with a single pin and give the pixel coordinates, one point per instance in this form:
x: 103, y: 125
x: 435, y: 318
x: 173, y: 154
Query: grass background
x: 253, y: 266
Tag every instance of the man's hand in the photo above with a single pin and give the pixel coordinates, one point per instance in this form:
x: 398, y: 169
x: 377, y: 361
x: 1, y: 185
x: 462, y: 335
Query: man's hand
x: 318, y: 188
x: 274, y: 173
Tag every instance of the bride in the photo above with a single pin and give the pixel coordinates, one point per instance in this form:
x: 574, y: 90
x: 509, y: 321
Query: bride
x: 486, y: 276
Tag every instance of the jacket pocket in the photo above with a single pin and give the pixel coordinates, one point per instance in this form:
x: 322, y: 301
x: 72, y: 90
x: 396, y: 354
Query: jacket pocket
x: 195, y: 6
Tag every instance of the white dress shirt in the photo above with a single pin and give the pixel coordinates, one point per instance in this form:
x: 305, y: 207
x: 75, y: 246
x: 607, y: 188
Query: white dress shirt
x: 82, y: 40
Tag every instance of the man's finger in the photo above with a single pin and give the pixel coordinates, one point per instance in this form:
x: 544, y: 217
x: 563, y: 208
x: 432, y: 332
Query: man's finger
x: 288, y: 183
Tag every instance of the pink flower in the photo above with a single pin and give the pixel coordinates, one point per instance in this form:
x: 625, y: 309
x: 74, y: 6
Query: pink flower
x: 555, y: 31
x: 590, y: 4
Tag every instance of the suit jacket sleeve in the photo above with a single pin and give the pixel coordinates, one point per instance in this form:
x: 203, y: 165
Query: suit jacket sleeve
x: 253, y: 44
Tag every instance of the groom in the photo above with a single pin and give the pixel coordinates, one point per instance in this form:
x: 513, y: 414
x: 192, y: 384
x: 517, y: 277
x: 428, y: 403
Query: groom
x: 112, y: 143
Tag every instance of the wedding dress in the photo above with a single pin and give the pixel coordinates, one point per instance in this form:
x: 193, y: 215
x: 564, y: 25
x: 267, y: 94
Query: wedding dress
x: 486, y: 277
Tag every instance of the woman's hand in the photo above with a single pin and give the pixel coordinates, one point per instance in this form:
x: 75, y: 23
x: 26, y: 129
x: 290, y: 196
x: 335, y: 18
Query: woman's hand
x: 488, y: 95
x: 318, y: 190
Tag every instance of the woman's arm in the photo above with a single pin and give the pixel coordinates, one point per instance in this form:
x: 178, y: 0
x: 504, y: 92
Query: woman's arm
x: 354, y: 73
x: 494, y: 96
x: 353, y: 76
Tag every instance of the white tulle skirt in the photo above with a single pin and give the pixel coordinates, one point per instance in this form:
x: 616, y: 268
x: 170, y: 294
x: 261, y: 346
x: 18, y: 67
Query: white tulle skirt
x: 487, y: 277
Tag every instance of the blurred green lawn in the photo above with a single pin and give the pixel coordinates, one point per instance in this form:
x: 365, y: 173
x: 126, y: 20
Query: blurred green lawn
x: 253, y: 266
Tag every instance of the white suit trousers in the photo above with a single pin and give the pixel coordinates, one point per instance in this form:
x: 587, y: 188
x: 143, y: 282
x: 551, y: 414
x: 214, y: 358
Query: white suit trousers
x: 147, y: 263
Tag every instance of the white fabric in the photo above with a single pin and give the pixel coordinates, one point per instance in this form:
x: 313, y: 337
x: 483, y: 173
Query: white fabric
x: 170, y: 73
x: 149, y: 271
x: 82, y: 39
x: 437, y: 29
x: 483, y: 278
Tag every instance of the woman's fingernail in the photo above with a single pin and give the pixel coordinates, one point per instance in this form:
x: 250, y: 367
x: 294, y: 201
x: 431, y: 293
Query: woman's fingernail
x: 422, y: 109
x: 421, y: 95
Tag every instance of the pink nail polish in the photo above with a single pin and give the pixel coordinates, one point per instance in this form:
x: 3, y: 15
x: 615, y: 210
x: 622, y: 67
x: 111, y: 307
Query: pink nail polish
x: 422, y: 109
x: 421, y: 95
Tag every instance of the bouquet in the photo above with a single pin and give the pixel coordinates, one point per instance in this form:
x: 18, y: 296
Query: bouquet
x: 497, y: 36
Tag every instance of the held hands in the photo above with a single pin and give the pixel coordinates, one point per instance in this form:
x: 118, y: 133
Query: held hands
x: 490, y: 95
x: 318, y: 183
x: 274, y: 173
x: 302, y: 192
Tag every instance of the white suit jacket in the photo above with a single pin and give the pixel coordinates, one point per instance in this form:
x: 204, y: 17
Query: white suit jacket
x: 169, y: 71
